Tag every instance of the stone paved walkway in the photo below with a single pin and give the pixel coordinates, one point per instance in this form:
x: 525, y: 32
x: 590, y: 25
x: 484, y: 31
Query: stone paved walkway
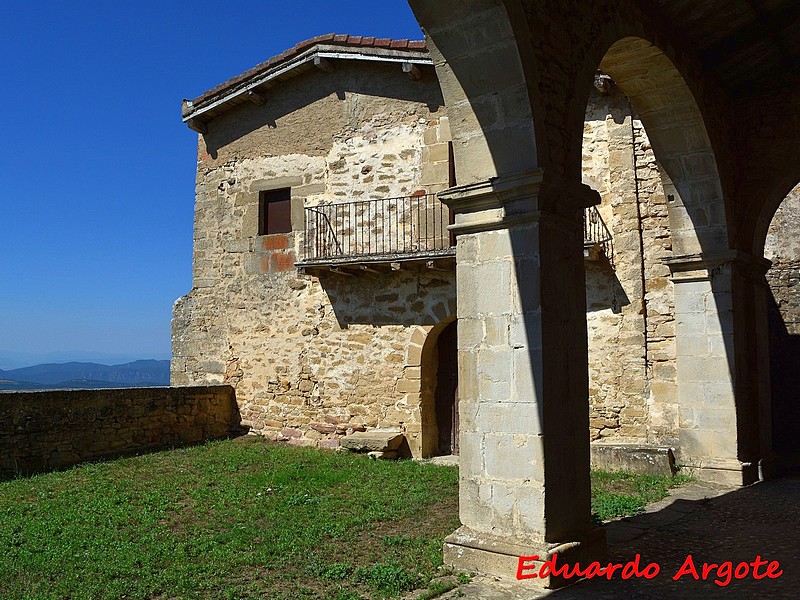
x: 711, y: 524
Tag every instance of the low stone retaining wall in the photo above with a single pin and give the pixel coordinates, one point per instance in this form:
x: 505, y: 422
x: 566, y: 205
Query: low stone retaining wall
x: 41, y: 431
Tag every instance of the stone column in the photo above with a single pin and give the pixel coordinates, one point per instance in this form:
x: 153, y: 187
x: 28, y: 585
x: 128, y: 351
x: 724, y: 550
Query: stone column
x: 762, y: 385
x: 523, y: 377
x: 718, y: 358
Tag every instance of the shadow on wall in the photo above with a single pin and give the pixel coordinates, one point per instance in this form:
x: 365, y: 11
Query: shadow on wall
x: 405, y: 298
x: 379, y: 82
x: 604, y: 290
x: 784, y: 354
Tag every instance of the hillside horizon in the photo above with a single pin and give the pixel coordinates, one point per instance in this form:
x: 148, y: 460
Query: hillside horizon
x: 86, y: 375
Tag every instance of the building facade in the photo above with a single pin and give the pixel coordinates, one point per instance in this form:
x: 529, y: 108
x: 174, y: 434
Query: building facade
x: 322, y: 316
x: 343, y: 318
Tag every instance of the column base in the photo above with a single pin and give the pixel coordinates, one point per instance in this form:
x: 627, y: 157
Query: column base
x: 495, y: 556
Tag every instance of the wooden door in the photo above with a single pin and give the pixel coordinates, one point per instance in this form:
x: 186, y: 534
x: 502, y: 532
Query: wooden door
x: 447, y: 391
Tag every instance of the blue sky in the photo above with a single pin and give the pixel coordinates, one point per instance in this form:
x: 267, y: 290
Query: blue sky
x: 98, y: 170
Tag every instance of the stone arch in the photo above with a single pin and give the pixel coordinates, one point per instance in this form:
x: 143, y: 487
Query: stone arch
x: 712, y: 426
x: 630, y: 305
x: 781, y: 247
x: 499, y: 81
x: 661, y: 101
x: 524, y: 463
x: 773, y: 200
x: 489, y: 107
x: 677, y: 131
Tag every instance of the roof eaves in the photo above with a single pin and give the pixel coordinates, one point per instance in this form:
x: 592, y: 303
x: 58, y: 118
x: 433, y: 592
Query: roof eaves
x: 357, y: 48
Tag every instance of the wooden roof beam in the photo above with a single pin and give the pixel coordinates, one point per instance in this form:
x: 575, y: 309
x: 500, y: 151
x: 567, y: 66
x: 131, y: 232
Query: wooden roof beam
x: 323, y: 64
x: 197, y: 125
x: 412, y: 70
x: 256, y: 97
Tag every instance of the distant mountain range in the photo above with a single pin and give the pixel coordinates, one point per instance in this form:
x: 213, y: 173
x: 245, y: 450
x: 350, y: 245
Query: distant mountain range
x: 86, y: 375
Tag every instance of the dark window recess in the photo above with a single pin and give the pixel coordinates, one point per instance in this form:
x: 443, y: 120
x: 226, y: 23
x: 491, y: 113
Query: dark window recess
x: 275, y: 211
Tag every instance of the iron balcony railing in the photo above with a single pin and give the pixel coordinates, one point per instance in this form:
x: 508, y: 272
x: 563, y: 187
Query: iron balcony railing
x: 408, y: 225
x: 386, y: 226
x: 595, y: 233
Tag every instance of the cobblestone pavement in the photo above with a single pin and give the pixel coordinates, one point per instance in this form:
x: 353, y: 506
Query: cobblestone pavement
x: 714, y: 525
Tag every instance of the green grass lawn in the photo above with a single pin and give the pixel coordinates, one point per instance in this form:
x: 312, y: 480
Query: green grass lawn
x: 621, y: 494
x: 233, y: 519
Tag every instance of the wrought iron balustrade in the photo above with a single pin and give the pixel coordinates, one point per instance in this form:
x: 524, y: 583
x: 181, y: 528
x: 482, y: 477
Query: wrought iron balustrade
x: 595, y: 233
x: 407, y: 225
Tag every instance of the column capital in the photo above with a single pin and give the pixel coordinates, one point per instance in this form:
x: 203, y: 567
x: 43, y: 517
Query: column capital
x: 496, y: 192
x: 698, y: 267
x: 501, y: 202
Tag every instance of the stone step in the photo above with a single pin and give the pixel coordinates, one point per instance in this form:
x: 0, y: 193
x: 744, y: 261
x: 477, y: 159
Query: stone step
x: 651, y: 460
x: 375, y: 440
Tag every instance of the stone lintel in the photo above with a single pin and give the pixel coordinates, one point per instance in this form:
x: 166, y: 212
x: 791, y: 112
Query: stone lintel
x: 275, y: 183
x: 469, y: 550
x: 700, y: 267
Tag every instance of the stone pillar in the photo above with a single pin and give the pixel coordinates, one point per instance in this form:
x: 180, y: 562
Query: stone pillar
x: 719, y: 354
x: 762, y: 385
x: 523, y: 377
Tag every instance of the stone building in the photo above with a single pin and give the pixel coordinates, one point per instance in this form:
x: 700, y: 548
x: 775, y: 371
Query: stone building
x: 344, y: 320
x: 676, y: 332
x: 324, y: 285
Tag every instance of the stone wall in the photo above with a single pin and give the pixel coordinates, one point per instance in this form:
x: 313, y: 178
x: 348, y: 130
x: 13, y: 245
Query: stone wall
x: 630, y: 306
x: 311, y: 357
x: 55, y: 429
x: 783, y: 249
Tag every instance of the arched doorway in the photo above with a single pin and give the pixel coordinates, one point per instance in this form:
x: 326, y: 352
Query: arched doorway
x: 439, y: 391
x: 446, y: 395
x: 693, y: 406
